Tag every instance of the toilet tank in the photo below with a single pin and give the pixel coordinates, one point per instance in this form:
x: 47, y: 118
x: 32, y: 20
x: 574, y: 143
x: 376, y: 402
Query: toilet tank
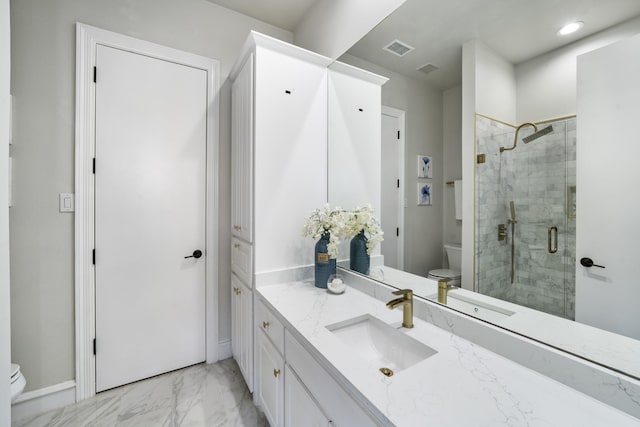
x: 454, y: 255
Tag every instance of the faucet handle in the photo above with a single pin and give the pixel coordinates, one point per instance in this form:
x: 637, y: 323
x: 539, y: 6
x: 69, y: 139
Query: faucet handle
x: 407, y: 292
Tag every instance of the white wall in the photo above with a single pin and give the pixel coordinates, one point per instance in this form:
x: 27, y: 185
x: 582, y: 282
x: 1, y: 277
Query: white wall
x: 5, y: 318
x: 451, y: 161
x: 546, y: 85
x: 495, y: 84
x: 43, y: 64
x: 488, y: 87
x: 331, y: 27
x: 423, y: 249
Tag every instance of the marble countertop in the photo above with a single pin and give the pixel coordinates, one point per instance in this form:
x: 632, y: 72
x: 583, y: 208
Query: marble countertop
x: 462, y: 385
x: 600, y: 346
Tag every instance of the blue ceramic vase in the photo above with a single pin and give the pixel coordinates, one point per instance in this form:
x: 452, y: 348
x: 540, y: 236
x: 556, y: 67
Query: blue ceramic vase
x: 358, y: 257
x: 325, y: 266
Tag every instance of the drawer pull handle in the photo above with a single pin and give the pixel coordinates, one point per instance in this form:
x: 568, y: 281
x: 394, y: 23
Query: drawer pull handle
x: 236, y: 245
x: 276, y: 372
x: 265, y: 325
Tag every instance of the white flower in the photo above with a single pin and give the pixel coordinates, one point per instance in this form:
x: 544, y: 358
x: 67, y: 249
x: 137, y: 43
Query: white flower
x: 326, y: 220
x: 362, y: 219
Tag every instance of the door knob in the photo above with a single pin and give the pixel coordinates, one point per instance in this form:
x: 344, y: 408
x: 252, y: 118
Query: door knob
x: 588, y: 262
x: 196, y: 254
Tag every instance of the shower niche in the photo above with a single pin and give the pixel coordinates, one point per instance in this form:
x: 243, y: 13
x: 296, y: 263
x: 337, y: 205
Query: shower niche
x: 525, y: 215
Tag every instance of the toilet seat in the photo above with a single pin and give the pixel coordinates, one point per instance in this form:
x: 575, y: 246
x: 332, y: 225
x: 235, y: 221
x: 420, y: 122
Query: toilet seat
x: 15, y: 372
x: 18, y: 382
x: 445, y: 273
x: 453, y: 277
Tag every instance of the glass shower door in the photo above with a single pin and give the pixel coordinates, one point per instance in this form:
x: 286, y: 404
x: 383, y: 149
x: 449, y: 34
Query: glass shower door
x: 526, y: 255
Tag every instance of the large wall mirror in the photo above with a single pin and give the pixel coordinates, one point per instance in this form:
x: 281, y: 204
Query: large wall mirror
x: 529, y: 140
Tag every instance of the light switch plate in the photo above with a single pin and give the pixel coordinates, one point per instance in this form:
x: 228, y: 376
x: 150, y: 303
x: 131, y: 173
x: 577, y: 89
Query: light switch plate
x: 67, y: 202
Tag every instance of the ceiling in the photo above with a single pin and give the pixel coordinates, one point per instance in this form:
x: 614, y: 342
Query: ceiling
x: 518, y: 30
x: 285, y: 14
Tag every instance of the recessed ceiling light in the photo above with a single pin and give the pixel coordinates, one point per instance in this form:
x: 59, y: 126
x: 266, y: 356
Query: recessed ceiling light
x: 570, y: 28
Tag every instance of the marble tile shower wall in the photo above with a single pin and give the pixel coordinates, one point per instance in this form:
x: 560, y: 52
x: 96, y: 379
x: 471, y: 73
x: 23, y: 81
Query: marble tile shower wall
x: 536, y: 177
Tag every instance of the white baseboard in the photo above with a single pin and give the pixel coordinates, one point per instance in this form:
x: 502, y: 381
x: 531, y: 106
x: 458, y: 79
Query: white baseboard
x: 224, y: 350
x: 42, y: 400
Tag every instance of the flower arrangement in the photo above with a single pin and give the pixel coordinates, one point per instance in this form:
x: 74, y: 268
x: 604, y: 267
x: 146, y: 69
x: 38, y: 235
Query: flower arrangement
x: 341, y: 224
x: 323, y: 221
x: 362, y: 219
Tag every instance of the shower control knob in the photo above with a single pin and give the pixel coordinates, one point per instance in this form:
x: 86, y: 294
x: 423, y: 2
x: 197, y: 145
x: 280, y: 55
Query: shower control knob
x: 588, y: 262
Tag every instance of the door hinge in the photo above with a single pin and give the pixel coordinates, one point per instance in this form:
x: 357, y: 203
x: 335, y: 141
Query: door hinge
x: 95, y: 73
x: 398, y: 135
x: 397, y: 232
x: 93, y: 256
x: 94, y: 165
x: 94, y: 346
x: 398, y: 183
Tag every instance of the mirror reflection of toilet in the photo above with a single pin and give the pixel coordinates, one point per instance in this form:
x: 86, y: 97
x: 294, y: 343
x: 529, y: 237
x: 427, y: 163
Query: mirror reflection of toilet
x: 17, y: 381
x: 454, y: 255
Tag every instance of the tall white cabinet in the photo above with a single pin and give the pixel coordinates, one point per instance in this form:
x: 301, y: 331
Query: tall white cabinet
x: 281, y: 121
x: 279, y: 169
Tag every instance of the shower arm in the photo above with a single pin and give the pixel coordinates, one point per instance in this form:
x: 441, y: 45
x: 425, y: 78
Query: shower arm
x: 515, y: 138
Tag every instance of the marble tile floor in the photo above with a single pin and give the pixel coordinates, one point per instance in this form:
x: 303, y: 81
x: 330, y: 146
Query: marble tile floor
x: 200, y: 395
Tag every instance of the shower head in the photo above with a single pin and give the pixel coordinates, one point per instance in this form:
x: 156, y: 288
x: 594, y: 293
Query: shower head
x: 513, y: 210
x: 515, y: 137
x: 537, y: 134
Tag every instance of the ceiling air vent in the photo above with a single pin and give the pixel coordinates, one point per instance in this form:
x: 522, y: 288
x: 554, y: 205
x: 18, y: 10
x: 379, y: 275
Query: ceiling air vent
x: 427, y: 68
x: 398, y: 48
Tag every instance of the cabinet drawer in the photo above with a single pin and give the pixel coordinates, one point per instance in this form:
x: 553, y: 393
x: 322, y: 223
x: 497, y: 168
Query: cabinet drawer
x: 270, y: 325
x: 331, y: 397
x: 242, y: 261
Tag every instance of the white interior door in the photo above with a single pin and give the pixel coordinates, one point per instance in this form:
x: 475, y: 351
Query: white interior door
x: 150, y: 187
x: 391, y: 194
x: 607, y: 175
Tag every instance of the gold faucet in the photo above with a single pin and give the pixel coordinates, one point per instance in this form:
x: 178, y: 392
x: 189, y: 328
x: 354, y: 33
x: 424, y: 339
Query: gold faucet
x: 406, y: 301
x: 443, y: 290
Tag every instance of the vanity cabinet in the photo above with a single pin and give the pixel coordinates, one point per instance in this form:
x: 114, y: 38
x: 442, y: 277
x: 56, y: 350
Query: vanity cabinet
x: 292, y: 388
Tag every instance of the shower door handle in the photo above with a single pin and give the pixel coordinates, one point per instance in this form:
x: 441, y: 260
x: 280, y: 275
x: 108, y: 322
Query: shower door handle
x: 553, y: 239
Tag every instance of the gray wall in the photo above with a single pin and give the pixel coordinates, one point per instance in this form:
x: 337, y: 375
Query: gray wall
x: 43, y: 82
x: 5, y: 331
x: 452, y: 161
x: 423, y: 121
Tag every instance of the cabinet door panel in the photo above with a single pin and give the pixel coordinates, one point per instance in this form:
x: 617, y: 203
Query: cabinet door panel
x: 290, y: 156
x: 300, y: 407
x: 242, y: 328
x: 235, y: 318
x: 246, y: 325
x: 271, y: 381
x: 242, y: 153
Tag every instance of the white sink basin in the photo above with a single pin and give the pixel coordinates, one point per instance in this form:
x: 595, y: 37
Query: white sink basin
x: 380, y: 344
x: 475, y: 308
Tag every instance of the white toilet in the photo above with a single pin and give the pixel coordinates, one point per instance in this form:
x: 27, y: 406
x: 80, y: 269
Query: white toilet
x: 454, y: 255
x: 17, y: 381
